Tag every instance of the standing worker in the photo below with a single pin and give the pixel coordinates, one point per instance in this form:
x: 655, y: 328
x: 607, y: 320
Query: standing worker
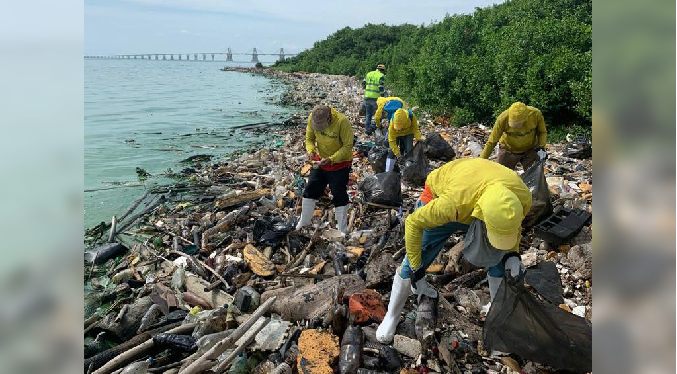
x: 388, y: 106
x: 373, y: 89
x: 473, y: 195
x: 521, y: 131
x: 329, y: 142
x: 402, y: 130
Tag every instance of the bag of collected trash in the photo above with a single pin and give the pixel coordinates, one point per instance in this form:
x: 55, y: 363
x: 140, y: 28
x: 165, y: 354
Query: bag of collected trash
x: 416, y: 167
x: 436, y: 148
x: 382, y: 188
x: 377, y: 159
x: 538, y: 331
x: 541, y: 204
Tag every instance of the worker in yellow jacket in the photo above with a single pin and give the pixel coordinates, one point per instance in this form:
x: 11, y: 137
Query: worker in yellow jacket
x: 387, y: 106
x: 480, y: 197
x: 520, y: 130
x: 402, y: 130
x: 329, y: 143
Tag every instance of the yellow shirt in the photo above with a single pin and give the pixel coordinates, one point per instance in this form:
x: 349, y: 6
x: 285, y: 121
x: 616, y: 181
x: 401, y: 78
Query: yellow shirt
x: 456, y: 188
x: 335, y: 142
x: 394, y: 134
x: 517, y: 140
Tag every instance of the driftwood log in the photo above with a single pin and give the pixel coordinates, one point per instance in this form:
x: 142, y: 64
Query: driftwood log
x: 208, y: 359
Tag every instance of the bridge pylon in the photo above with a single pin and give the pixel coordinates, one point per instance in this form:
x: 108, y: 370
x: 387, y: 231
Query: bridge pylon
x: 255, y: 56
x: 281, y: 54
x: 229, y: 55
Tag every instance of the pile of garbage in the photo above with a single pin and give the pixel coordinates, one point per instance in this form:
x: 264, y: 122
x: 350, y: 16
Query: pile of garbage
x: 208, y: 274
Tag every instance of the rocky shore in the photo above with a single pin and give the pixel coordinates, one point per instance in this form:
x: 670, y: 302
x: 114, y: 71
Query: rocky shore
x: 207, y: 273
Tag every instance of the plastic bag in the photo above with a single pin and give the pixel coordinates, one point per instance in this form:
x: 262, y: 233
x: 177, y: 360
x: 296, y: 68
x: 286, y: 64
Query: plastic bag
x: 436, y: 148
x: 416, y: 167
x: 382, y: 188
x: 519, y: 323
x: 377, y: 159
x: 541, y: 204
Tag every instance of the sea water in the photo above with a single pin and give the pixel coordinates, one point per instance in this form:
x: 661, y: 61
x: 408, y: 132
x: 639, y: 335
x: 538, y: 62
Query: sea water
x: 152, y: 114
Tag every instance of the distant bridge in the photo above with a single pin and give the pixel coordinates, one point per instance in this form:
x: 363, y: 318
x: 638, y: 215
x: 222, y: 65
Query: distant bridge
x: 204, y: 56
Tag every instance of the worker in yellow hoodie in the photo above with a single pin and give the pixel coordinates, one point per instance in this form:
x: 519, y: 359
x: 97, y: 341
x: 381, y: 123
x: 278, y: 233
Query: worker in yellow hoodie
x: 480, y: 197
x: 402, y: 130
x: 386, y: 107
x: 520, y: 130
x: 329, y: 143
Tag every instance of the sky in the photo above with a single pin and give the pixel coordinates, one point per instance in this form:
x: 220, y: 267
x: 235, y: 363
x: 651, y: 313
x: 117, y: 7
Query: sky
x: 188, y: 26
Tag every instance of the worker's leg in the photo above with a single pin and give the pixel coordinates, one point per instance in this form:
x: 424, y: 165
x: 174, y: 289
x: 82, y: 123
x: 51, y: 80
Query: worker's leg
x: 406, y: 143
x: 317, y: 182
x: 528, y: 158
x: 507, y: 158
x: 338, y: 183
x: 510, y: 262
x: 369, y: 110
x: 433, y: 242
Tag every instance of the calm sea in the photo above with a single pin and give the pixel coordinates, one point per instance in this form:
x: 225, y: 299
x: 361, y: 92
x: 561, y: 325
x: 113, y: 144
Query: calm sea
x: 153, y: 114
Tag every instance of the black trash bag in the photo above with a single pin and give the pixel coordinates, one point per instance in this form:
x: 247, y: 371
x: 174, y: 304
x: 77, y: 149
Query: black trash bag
x: 545, y: 279
x: 382, y: 188
x: 377, y: 159
x: 436, y: 148
x: 541, y: 203
x: 538, y: 331
x: 580, y: 148
x: 416, y: 167
x: 270, y: 232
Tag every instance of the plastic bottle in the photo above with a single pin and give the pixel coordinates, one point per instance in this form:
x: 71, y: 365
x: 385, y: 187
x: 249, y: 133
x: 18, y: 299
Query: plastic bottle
x: 351, y: 350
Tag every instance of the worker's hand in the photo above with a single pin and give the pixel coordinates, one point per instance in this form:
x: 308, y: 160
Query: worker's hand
x: 542, y: 155
x: 514, y: 267
x: 422, y: 287
x: 324, y: 161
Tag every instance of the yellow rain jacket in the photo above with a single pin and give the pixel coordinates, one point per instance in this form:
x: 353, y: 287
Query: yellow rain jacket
x: 406, y: 126
x: 380, y: 103
x: 335, y: 142
x: 456, y: 188
x: 517, y: 140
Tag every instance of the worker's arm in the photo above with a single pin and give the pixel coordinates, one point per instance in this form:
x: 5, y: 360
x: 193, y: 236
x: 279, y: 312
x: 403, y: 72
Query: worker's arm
x: 437, y: 212
x: 378, y: 114
x: 346, y: 138
x: 417, y: 131
x: 495, y: 136
x: 392, y: 140
x: 310, y: 137
x: 540, y: 129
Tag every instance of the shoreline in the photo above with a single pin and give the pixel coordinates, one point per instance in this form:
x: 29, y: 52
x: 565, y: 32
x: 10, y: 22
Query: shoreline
x: 205, y: 225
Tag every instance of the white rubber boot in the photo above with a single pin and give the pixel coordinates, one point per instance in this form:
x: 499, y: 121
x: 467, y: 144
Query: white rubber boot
x: 307, y: 210
x: 494, y: 284
x: 398, y: 297
x: 390, y: 164
x: 341, y: 215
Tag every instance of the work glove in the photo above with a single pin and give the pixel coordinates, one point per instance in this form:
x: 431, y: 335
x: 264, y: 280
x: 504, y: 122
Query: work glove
x: 514, y: 268
x: 542, y: 155
x: 420, y: 286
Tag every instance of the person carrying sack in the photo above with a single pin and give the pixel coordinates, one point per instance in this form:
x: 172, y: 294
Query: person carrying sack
x: 474, y: 195
x: 402, y: 130
x: 329, y: 143
x: 521, y: 132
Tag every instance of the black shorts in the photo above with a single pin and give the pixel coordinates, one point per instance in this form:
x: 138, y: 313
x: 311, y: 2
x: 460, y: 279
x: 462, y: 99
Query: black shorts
x: 337, y: 181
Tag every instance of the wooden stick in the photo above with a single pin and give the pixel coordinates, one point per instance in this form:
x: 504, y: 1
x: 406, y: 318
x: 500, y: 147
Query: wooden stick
x: 134, y: 205
x: 113, y: 227
x: 126, y: 356
x: 227, y: 361
x: 205, y: 361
